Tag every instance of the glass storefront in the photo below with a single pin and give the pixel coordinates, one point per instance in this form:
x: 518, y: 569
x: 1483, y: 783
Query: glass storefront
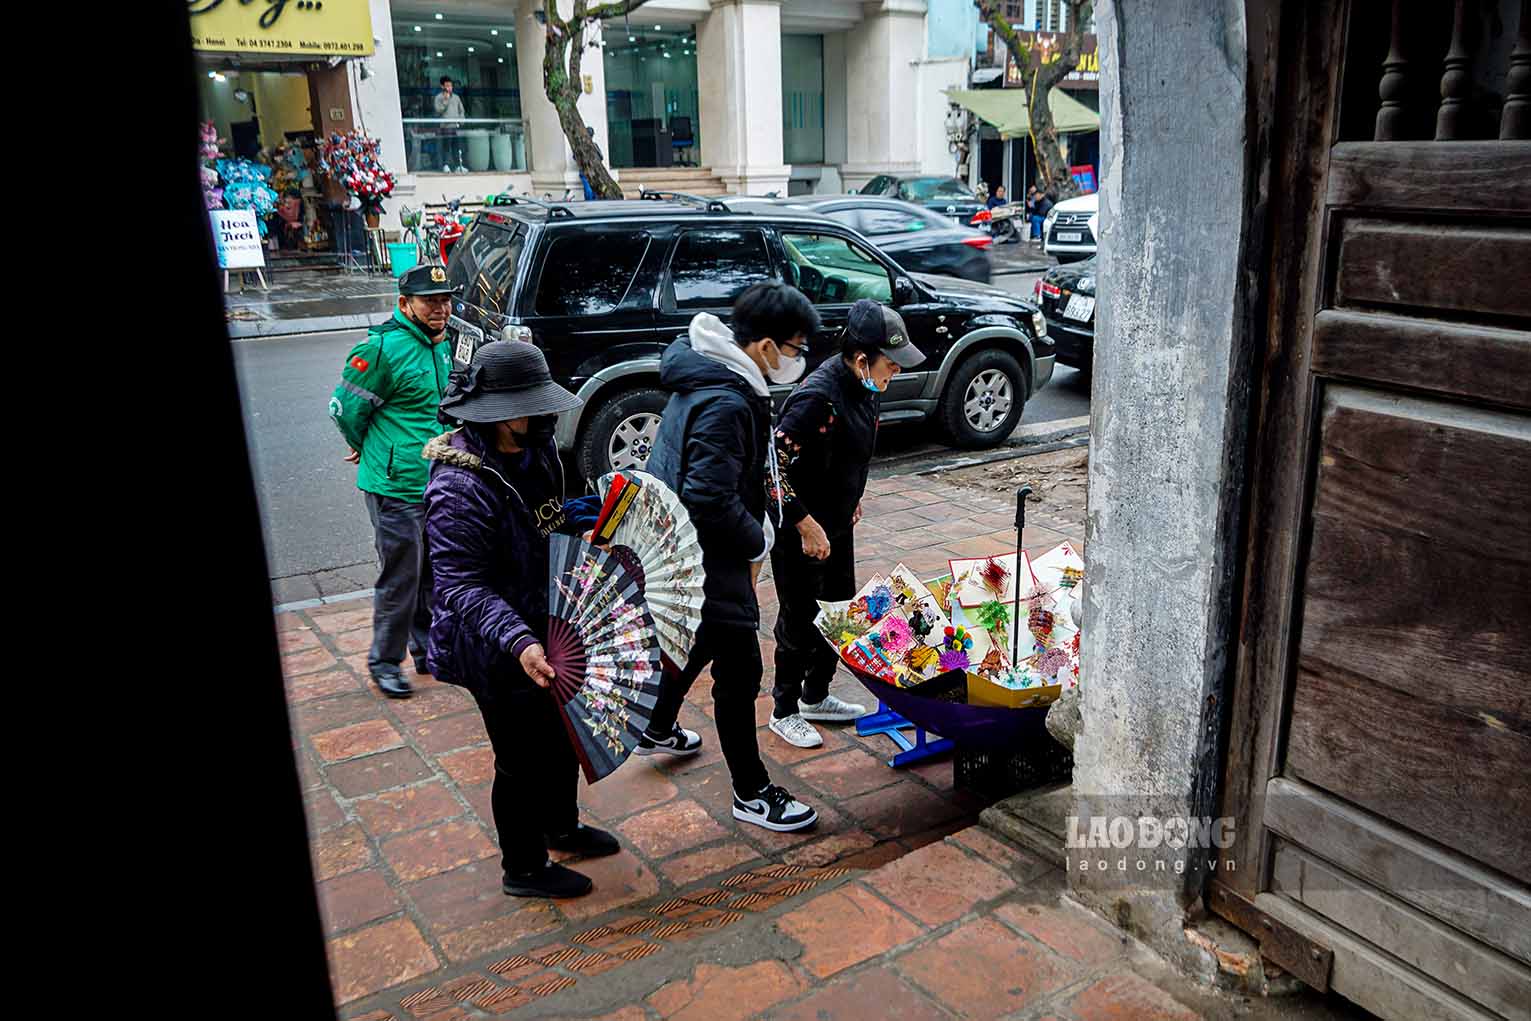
x: 475, y: 126
x: 802, y: 98
x: 652, y: 113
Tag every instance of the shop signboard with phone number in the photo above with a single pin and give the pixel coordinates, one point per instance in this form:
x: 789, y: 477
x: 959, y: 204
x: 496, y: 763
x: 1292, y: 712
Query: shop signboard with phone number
x: 281, y: 27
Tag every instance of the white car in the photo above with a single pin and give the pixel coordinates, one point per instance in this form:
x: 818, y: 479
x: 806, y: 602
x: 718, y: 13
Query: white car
x: 1069, y: 231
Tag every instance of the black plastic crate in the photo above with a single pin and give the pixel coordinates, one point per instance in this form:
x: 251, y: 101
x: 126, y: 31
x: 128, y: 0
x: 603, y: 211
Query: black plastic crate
x: 994, y: 775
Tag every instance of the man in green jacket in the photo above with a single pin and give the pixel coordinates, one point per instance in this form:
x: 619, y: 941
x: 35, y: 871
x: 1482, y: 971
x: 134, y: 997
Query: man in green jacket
x: 385, y: 407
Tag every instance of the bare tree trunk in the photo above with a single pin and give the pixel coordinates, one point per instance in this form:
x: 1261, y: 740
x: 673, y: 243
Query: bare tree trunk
x: 1040, y: 79
x: 1052, y: 166
x: 562, y: 80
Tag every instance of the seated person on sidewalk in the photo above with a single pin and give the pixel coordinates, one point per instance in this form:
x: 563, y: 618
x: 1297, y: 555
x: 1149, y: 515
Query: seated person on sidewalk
x: 496, y: 494
x: 824, y: 444
x: 385, y: 408
x: 714, y: 451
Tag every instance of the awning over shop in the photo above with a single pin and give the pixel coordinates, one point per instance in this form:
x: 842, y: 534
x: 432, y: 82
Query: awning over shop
x: 1006, y: 109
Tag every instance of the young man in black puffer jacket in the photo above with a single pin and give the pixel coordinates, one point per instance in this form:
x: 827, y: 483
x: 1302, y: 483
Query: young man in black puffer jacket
x: 714, y: 450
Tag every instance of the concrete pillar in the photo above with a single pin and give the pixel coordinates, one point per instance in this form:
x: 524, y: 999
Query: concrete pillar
x: 1167, y: 432
x: 552, y: 161
x: 882, y: 134
x: 738, y: 66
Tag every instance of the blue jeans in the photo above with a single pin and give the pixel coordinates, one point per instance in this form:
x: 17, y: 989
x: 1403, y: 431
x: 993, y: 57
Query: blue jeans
x: 589, y: 191
x: 1036, y: 226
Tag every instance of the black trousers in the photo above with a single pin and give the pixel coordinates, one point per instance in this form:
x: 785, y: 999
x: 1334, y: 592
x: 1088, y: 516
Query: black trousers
x: 536, y: 776
x: 805, y: 662
x: 737, y: 668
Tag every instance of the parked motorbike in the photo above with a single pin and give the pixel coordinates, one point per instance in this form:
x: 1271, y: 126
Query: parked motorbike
x: 1001, y: 222
x: 446, y: 229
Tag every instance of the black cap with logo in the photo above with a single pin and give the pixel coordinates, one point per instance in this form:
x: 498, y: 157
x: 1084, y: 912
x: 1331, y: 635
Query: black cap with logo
x: 422, y: 280
x: 874, y: 326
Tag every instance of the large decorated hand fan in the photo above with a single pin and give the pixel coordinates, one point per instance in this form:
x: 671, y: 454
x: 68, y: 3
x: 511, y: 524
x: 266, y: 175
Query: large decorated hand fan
x: 604, y: 651
x: 655, y: 538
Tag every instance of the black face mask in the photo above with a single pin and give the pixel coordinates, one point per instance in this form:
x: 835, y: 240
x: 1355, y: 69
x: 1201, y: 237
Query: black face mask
x: 539, y: 432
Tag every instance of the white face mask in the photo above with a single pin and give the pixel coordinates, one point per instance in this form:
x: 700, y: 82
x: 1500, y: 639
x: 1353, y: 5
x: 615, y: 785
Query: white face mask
x: 788, y: 370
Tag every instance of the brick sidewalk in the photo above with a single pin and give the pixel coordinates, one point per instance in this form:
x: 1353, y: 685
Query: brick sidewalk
x: 397, y: 794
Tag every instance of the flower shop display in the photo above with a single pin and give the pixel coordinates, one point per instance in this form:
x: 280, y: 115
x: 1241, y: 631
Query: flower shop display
x: 245, y: 187
x: 353, y: 161
x: 212, y: 194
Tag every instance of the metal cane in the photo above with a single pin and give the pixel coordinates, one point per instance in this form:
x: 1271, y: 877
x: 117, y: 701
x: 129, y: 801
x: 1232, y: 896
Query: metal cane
x: 1020, y: 528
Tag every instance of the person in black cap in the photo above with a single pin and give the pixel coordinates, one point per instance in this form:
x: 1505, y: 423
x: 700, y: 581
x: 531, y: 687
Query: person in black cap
x: 496, y: 494
x: 824, y: 442
x: 385, y: 407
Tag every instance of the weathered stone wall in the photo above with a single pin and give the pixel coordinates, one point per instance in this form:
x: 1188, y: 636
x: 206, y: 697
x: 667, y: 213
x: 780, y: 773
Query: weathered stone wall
x: 1168, y: 415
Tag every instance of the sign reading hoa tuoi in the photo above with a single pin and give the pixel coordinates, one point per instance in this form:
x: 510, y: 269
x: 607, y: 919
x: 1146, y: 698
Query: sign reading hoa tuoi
x: 236, y: 238
x: 282, y: 27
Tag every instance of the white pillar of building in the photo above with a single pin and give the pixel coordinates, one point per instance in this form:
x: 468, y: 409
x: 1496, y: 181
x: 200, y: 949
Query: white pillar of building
x: 375, y: 105
x: 738, y: 64
x: 881, y: 54
x: 552, y: 167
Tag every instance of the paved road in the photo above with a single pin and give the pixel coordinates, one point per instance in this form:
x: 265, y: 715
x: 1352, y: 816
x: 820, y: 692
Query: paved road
x: 317, y: 537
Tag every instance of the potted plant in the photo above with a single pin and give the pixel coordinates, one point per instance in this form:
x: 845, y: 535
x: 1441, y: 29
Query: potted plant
x: 353, y: 161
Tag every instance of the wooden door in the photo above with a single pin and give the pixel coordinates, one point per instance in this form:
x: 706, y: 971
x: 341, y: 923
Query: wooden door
x: 1379, y: 765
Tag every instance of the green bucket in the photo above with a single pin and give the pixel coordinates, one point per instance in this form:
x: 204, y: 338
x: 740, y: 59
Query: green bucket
x: 403, y: 257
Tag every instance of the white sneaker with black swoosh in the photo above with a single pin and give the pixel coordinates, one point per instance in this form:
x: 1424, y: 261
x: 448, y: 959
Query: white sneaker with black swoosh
x: 774, y: 809
x: 680, y: 742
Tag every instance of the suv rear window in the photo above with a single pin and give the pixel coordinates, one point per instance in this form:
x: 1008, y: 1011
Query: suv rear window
x: 484, y: 266
x: 575, y: 284
x: 712, y: 267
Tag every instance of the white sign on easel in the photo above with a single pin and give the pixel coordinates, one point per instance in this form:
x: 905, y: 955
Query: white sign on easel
x: 236, y: 238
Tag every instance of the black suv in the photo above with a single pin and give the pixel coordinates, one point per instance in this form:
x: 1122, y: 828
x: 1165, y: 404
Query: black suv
x: 604, y: 287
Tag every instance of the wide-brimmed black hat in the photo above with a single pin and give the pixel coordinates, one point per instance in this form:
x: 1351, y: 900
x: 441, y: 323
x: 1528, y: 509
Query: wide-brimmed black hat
x: 875, y: 325
x: 507, y: 379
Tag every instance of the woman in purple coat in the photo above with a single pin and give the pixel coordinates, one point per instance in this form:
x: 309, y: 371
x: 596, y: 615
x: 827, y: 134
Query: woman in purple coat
x: 496, y: 493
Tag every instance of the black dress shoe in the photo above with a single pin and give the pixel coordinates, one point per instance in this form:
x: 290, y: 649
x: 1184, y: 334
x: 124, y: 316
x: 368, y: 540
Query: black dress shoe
x: 392, y: 685
x: 586, y: 841
x: 551, y: 880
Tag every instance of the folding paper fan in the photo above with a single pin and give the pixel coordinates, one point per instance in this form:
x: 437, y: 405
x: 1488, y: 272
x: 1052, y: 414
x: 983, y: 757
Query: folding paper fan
x: 657, y: 541
x: 604, y: 650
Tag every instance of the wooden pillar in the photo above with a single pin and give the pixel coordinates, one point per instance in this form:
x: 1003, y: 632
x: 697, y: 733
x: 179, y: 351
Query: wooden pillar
x: 1515, y: 120
x: 1451, y: 120
x: 1392, y: 118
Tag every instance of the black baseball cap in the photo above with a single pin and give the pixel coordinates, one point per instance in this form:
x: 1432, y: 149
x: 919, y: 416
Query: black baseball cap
x: 421, y: 280
x: 875, y: 325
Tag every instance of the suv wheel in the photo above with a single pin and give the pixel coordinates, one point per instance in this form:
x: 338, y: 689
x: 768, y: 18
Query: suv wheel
x: 621, y: 434
x: 984, y: 399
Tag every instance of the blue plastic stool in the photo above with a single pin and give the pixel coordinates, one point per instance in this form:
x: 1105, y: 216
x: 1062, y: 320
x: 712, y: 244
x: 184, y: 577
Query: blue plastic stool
x: 886, y: 721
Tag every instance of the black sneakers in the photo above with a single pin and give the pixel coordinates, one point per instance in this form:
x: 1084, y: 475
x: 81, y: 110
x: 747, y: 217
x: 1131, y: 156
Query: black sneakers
x: 679, y: 742
x: 585, y: 841
x: 552, y: 880
x: 774, y: 809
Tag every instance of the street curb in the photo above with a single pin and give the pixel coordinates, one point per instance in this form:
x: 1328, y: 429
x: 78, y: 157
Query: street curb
x: 271, y: 328
x: 309, y: 604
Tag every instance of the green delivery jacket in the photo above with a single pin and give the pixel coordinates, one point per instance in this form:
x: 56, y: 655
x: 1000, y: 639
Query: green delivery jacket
x: 385, y: 406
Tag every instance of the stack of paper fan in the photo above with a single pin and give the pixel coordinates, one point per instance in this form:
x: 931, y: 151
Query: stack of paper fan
x: 644, y: 524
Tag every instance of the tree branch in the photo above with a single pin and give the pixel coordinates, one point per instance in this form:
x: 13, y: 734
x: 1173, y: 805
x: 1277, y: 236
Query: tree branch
x: 601, y: 12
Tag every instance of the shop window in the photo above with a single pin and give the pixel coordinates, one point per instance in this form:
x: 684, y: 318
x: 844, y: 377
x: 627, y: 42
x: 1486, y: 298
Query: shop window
x: 653, y: 105
x: 574, y: 284
x: 476, y: 126
x: 713, y: 267
x: 802, y: 98
x: 832, y: 271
